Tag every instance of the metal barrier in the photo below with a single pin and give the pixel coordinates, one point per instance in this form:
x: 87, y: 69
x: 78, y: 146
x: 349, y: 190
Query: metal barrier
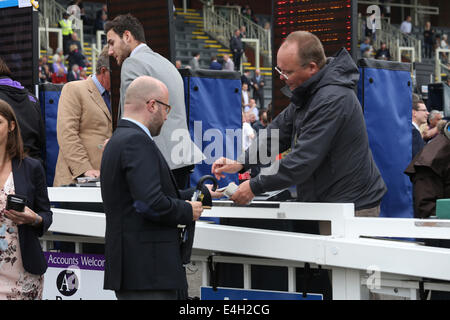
x: 439, y: 65
x: 357, y: 252
x: 222, y: 21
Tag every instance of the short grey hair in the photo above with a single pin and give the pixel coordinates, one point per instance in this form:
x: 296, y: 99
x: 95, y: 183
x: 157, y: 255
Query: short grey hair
x: 433, y: 114
x: 102, y: 60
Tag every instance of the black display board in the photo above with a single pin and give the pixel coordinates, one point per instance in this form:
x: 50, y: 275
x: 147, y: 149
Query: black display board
x: 332, y: 21
x: 19, y: 44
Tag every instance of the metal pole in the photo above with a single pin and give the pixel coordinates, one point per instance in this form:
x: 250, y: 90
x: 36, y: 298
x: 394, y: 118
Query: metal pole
x: 292, y: 280
x: 247, y: 276
x: 257, y: 54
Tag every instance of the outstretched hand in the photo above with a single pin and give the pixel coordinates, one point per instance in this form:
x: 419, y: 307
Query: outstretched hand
x: 225, y: 165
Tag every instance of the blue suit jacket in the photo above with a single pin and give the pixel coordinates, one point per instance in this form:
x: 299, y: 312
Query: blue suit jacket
x: 29, y: 181
x: 215, y: 66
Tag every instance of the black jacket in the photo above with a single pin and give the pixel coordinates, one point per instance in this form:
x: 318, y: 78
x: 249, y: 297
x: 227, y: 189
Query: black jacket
x: 28, y: 112
x: 143, y: 207
x: 236, y: 45
x: 417, y: 142
x: 29, y: 181
x: 330, y: 160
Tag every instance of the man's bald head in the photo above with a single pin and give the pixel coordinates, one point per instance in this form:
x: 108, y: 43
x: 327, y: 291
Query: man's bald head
x: 144, y: 102
x: 140, y: 90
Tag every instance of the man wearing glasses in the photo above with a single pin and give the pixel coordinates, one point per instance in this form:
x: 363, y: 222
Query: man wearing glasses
x: 143, y: 205
x: 330, y: 159
x: 126, y: 42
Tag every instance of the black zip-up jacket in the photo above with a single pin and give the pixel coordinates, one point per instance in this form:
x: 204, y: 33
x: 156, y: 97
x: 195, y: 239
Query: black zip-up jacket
x: 28, y: 112
x: 330, y: 159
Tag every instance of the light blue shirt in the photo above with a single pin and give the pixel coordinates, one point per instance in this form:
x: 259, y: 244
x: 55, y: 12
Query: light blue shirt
x: 99, y: 86
x: 141, y: 126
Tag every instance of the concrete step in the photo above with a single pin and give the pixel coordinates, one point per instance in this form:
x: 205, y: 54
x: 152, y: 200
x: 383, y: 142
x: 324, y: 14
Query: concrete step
x: 187, y: 14
x: 221, y: 54
x: 200, y: 38
x: 218, y: 46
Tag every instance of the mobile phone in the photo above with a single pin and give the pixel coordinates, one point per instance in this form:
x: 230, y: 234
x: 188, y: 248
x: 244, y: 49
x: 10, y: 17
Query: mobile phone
x: 16, y: 202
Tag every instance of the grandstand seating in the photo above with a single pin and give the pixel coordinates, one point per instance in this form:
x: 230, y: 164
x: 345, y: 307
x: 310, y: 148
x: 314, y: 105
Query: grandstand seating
x: 189, y: 38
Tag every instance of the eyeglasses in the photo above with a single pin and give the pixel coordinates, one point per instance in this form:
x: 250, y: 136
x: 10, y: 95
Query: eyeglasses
x: 425, y: 110
x: 168, y: 107
x: 284, y: 75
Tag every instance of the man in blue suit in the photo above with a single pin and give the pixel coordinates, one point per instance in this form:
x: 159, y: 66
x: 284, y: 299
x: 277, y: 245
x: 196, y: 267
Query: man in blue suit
x: 143, y: 206
x: 214, y: 64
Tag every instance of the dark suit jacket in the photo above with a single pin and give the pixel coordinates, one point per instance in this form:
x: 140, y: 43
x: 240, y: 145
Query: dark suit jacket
x: 29, y: 181
x: 236, y: 45
x: 143, y: 207
x: 72, y: 77
x: 215, y: 66
x: 417, y: 142
x: 260, y: 83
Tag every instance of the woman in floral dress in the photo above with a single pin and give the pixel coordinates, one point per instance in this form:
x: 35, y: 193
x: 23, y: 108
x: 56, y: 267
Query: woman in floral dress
x: 22, y: 262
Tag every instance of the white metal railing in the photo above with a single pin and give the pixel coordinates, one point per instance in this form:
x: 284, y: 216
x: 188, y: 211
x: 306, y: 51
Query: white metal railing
x: 439, y: 65
x: 44, y: 37
x: 97, y: 49
x: 222, y: 21
x: 412, y: 54
x: 354, y: 247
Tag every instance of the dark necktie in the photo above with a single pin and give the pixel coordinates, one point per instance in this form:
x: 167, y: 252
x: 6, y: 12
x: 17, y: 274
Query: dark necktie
x: 107, y: 99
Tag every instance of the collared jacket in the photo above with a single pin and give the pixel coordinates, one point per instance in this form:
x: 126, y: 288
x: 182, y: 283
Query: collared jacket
x: 29, y: 181
x: 330, y: 159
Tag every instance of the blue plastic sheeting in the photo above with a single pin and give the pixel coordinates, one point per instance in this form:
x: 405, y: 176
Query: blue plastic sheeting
x: 49, y: 97
x: 213, y: 108
x: 386, y: 98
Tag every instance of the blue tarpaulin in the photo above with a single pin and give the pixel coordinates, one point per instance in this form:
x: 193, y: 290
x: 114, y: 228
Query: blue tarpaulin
x: 385, y: 92
x: 49, y: 97
x: 213, y: 108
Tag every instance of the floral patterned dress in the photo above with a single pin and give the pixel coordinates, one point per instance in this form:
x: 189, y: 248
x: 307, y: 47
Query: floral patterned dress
x: 15, y: 282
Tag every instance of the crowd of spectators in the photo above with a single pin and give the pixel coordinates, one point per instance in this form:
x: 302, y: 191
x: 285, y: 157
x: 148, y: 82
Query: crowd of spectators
x: 431, y: 41
x: 69, y: 63
x: 368, y: 51
x: 254, y: 113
